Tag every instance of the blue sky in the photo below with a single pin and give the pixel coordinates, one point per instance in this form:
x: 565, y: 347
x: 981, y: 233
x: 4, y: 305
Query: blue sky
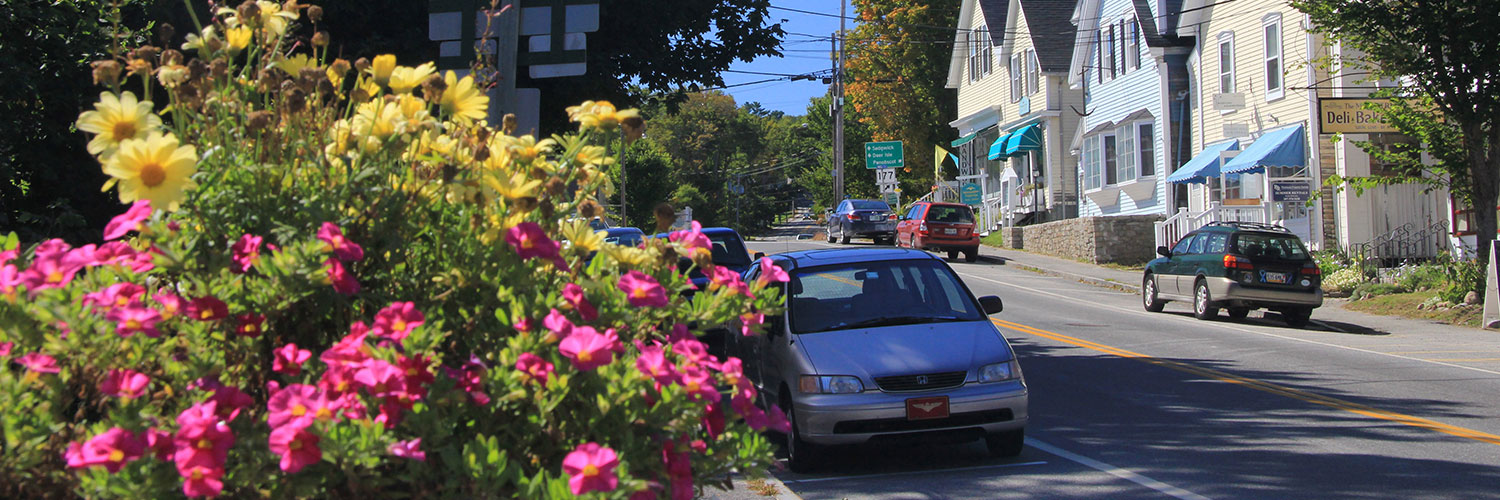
x: 805, y: 49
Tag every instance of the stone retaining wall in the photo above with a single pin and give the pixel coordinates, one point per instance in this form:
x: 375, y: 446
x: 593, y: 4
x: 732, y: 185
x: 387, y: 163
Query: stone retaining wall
x: 1128, y: 239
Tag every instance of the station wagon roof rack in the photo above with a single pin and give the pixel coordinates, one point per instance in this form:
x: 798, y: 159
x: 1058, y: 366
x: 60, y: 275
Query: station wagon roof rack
x: 1250, y: 225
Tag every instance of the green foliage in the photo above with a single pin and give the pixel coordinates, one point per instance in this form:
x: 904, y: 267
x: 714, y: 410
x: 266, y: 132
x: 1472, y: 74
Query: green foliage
x: 1366, y: 290
x: 1342, y: 280
x: 1419, y: 277
x: 456, y: 223
x: 1462, y: 277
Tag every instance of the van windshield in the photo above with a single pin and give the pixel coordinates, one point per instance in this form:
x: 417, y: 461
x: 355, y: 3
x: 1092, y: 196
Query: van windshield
x: 880, y: 293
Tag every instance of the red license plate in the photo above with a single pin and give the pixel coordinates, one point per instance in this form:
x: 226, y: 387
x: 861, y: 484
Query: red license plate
x: 927, y: 408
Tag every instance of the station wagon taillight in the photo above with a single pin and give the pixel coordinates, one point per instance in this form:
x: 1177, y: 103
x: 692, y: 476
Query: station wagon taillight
x: 1311, y: 269
x: 1237, y: 262
x: 852, y: 216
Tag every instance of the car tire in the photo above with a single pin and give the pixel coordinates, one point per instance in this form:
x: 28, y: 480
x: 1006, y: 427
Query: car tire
x: 1006, y: 444
x: 800, y: 455
x: 831, y: 239
x: 1297, y: 317
x: 1238, y: 313
x: 843, y: 237
x: 953, y: 255
x: 1149, y: 297
x: 1203, y: 301
x: 971, y: 255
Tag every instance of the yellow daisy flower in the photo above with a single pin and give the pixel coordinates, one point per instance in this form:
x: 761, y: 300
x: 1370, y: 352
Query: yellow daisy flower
x: 156, y: 168
x: 293, y: 65
x: 115, y: 119
x: 405, y: 78
x: 630, y: 256
x: 593, y: 155
x: 583, y: 237
x: 203, y: 43
x: 526, y: 149
x: 514, y: 187
x: 575, y: 112
x: 415, y: 116
x: 238, y: 38
x: 376, y: 119
x: 172, y: 76
x: 462, y: 100
x: 604, y: 116
x: 382, y: 67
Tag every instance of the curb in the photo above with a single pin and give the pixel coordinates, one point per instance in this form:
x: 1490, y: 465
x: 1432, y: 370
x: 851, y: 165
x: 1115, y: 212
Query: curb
x: 1088, y: 280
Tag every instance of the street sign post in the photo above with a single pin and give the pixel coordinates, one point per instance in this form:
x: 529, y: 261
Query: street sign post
x: 970, y: 194
x: 884, y: 155
x: 892, y: 199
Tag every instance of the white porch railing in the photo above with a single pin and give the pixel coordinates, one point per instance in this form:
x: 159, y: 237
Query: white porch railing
x: 1184, y: 222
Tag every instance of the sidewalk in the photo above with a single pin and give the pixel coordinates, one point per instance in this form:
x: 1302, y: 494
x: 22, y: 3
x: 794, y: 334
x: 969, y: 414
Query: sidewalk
x: 1125, y: 281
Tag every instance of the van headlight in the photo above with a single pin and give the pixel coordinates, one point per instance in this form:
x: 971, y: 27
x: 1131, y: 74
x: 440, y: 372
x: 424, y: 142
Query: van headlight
x: 999, y: 372
x: 830, y: 384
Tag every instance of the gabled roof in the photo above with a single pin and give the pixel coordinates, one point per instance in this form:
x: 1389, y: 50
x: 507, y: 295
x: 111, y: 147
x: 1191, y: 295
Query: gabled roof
x: 994, y: 12
x: 1052, y: 32
x: 1160, y: 33
x: 960, y: 45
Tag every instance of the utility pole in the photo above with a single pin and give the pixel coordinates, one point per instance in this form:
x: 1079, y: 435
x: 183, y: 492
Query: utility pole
x: 838, y: 109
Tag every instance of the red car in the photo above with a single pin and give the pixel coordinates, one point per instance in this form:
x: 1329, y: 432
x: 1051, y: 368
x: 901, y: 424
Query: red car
x: 941, y: 227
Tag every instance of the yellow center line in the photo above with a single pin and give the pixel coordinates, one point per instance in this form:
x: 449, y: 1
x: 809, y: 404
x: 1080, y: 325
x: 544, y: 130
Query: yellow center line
x: 1263, y: 386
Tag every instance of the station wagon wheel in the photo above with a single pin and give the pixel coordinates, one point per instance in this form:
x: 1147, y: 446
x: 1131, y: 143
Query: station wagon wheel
x: 1203, y: 302
x: 799, y: 453
x: 953, y: 255
x: 1238, y: 312
x: 843, y: 236
x: 1148, y: 295
x: 830, y: 234
x: 1297, y: 317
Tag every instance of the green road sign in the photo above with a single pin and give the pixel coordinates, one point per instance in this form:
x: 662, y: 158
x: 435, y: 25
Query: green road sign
x: 969, y: 194
x: 893, y: 199
x: 884, y: 155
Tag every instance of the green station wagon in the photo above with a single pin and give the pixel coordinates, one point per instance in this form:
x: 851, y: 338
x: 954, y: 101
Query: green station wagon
x: 1237, y: 266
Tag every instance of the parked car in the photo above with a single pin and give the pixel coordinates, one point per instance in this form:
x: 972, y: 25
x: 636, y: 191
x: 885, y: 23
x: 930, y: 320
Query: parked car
x: 862, y: 219
x: 942, y: 227
x: 881, y: 345
x: 624, y: 236
x: 1237, y: 266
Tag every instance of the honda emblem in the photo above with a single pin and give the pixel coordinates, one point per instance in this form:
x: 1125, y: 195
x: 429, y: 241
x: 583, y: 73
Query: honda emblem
x: 921, y: 380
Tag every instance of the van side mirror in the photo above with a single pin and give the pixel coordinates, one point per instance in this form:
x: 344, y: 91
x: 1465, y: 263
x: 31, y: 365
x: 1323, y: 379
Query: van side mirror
x: 991, y: 304
x: 758, y: 255
x: 1164, y: 251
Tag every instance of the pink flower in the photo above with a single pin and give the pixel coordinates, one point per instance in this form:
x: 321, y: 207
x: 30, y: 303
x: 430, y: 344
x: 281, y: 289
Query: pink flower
x: 128, y: 221
x: 642, y: 290
x: 137, y: 319
x: 171, y: 304
x: 10, y: 278
x: 201, y: 481
x: 7, y: 255
x: 470, y: 378
x: 202, y: 439
x: 342, y: 281
x: 653, y: 363
x: 574, y: 295
x: 680, y: 332
x: 5, y: 348
x: 349, y: 351
x: 228, y: 401
x: 116, y: 295
x: 528, y: 240
x: 51, y: 268
x: 693, y: 238
x: 380, y: 378
x: 38, y: 362
x: 114, y: 252
x: 534, y: 367
x: 392, y: 410
x: 592, y: 468
x: 524, y: 325
x: 726, y: 278
x: 207, y: 308
x: 587, y: 349
x: 558, y: 324
x: 245, y: 253
x: 771, y: 273
x: 288, y: 359
x: 249, y: 324
x: 125, y: 383
x: 415, y: 372
x: 409, y: 449
x: 397, y: 320
x: 341, y: 247
x: 112, y: 449
x: 777, y: 420
x: 713, y: 417
x: 297, y: 447
x: 698, y: 383
x: 733, y: 370
x: 297, y: 405
x: 694, y: 352
x: 749, y: 322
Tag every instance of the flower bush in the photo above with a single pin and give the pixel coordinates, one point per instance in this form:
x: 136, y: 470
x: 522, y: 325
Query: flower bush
x: 333, y: 279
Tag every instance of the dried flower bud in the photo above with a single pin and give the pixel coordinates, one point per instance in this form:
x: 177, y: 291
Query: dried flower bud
x: 704, y: 259
x: 249, y: 12
x: 548, y: 211
x: 137, y: 67
x: 481, y: 134
x: 312, y: 75
x: 359, y: 95
x: 433, y: 87
x: 362, y: 64
x: 320, y: 39
x: 268, y: 81
x: 555, y: 186
x: 197, y: 69
x: 294, y: 99
x: 258, y: 121
x: 339, y: 67
x: 590, y: 209
x: 634, y: 127
x: 146, y: 52
x: 508, y: 124
x: 326, y: 90
x: 106, y: 72
x: 214, y: 44
x: 164, y: 33
x: 315, y: 13
x: 171, y: 57
x: 218, y: 69
x: 481, y: 153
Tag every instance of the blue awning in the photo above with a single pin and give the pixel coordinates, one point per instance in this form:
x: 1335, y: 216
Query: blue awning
x: 1283, y: 147
x: 1028, y: 138
x: 997, y: 148
x: 1204, y: 165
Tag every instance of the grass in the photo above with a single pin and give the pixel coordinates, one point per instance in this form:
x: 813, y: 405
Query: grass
x: 992, y: 240
x: 1405, y: 305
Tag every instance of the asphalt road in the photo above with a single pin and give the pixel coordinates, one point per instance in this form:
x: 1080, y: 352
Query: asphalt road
x: 1129, y: 404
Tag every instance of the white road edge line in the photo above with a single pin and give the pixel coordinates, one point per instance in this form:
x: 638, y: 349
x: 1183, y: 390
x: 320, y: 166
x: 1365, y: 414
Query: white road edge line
x: 909, y: 473
x: 1171, y: 317
x: 1164, y: 488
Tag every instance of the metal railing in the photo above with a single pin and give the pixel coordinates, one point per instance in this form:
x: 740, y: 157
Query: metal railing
x: 1406, y: 242
x: 1184, y: 222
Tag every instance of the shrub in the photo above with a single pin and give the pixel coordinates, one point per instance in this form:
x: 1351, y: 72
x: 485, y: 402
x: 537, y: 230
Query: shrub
x: 334, y: 280
x: 1418, y: 277
x: 1367, y: 290
x: 1342, y: 280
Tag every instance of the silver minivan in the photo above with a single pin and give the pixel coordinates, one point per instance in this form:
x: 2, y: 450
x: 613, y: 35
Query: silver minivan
x: 884, y: 344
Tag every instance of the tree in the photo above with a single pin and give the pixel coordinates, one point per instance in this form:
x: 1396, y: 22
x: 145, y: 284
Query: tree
x: 898, y: 73
x: 663, y: 46
x: 1446, y: 65
x: 649, y: 174
x: 817, y: 179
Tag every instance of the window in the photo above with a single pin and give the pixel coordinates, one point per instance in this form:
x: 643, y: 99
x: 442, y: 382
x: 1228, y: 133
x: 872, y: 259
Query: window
x: 1015, y: 78
x: 1226, y: 63
x: 972, y: 40
x: 1217, y: 243
x: 1032, y: 72
x: 1110, y: 160
x: 980, y: 53
x: 1092, y: 160
x: 1271, y: 27
x: 842, y: 296
x: 1146, y: 134
x: 1126, y: 162
x: 1233, y: 187
x: 1133, y: 44
x: 1183, y: 244
x: 1198, y: 244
